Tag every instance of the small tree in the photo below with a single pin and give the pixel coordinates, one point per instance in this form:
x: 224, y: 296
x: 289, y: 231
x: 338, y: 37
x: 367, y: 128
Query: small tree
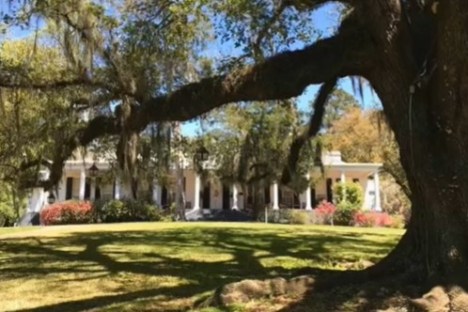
x: 349, y: 199
x: 349, y: 192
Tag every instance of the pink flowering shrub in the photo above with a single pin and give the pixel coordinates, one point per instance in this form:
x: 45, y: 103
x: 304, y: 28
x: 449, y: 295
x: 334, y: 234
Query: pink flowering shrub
x: 325, y: 211
x: 69, y: 212
x: 373, y: 219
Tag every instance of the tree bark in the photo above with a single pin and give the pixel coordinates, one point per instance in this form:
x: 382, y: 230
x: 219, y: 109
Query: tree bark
x: 425, y: 109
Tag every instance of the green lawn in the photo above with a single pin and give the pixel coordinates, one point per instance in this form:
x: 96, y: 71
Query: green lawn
x: 13, y: 230
x: 165, y: 266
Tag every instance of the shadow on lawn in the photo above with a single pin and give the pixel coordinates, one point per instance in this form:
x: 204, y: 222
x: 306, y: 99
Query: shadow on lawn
x: 245, y: 246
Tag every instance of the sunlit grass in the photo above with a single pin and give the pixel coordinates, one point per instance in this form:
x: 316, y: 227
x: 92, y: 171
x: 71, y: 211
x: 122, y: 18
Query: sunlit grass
x: 164, y: 266
x: 13, y: 230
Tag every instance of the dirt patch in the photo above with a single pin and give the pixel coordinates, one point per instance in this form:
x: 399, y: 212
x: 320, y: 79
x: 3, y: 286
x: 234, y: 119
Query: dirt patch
x: 298, y: 295
x: 248, y: 290
x: 443, y: 299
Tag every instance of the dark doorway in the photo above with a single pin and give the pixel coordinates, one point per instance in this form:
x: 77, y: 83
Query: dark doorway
x: 329, y: 190
x: 296, y: 202
x: 164, y: 197
x: 226, y: 198
x: 267, y: 196
x: 207, y: 196
x: 87, y: 192
x: 313, y: 199
x: 98, y: 192
x: 69, y: 189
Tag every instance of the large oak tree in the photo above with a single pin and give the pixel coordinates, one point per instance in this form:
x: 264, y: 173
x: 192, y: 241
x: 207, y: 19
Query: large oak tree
x: 413, y: 53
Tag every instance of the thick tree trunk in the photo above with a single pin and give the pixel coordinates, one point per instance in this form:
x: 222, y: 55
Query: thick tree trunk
x: 431, y: 130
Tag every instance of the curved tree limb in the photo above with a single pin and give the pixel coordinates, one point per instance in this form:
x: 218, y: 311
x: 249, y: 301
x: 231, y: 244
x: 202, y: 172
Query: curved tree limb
x: 315, y: 124
x: 6, y: 82
x: 280, y: 77
x: 311, y: 4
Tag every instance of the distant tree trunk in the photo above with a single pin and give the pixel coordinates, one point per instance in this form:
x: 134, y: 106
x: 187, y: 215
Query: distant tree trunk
x: 180, y: 194
x: 134, y: 187
x: 258, y: 201
x: 178, y: 158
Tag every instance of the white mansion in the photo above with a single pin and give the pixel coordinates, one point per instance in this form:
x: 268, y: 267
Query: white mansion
x: 75, y: 184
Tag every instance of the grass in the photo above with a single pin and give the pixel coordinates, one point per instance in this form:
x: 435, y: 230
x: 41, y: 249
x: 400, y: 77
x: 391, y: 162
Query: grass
x: 165, y: 266
x: 13, y: 230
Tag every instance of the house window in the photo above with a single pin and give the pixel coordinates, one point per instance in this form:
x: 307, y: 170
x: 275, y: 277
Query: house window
x: 329, y: 190
x: 337, y: 180
x: 355, y: 180
x: 267, y: 195
x: 69, y: 189
x: 313, y: 197
x: 87, y: 193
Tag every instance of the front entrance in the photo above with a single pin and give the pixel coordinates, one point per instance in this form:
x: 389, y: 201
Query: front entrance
x: 226, y: 197
x: 164, y: 197
x: 329, y: 190
x: 206, y: 199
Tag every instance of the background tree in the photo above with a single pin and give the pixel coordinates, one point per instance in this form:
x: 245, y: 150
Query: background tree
x: 339, y: 104
x: 364, y: 136
x: 250, y: 143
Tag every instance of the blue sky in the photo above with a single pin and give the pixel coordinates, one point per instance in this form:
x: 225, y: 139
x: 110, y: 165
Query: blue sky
x: 325, y: 21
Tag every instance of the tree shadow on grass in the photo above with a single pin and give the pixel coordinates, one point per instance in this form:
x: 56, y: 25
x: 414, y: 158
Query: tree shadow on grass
x: 177, y: 253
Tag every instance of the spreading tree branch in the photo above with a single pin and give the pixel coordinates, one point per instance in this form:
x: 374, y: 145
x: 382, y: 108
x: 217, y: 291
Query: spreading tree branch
x: 312, y: 4
x: 47, y: 86
x: 315, y: 124
x: 280, y: 77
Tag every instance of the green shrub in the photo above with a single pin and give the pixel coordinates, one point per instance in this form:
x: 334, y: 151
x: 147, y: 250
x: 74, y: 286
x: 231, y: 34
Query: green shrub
x: 349, y: 192
x: 275, y: 216
x: 344, y: 214
x: 12, y: 205
x: 349, y: 198
x: 7, y: 215
x: 126, y: 211
x: 399, y: 222
x: 299, y: 217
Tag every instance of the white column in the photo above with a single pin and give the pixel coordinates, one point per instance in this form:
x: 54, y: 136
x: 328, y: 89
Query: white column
x: 196, y: 200
x: 117, y: 188
x: 343, y: 181
x: 62, y: 189
x: 275, y: 196
x: 308, y: 194
x: 36, y: 201
x: 377, y: 191
x: 157, y: 194
x: 92, y: 195
x: 81, y: 194
x: 235, y: 198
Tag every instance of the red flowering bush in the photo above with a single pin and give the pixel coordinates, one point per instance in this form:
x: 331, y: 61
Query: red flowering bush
x: 325, y: 211
x: 69, y: 212
x: 372, y: 219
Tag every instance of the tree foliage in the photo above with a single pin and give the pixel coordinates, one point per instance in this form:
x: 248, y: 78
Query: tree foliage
x: 364, y: 136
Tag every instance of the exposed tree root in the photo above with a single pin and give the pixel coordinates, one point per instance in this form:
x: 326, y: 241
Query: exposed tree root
x: 397, y: 283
